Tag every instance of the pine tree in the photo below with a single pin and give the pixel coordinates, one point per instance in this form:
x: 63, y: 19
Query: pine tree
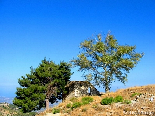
x: 47, y: 81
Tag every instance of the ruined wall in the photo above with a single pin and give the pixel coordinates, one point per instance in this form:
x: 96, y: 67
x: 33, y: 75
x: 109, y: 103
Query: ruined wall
x: 80, y: 88
x: 94, y: 91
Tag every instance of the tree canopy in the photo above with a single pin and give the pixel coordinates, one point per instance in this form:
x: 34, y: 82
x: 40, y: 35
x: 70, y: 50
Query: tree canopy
x: 104, y: 61
x: 36, y: 86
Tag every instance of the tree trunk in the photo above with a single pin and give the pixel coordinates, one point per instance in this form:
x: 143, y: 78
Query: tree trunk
x: 107, y: 89
x: 47, y: 103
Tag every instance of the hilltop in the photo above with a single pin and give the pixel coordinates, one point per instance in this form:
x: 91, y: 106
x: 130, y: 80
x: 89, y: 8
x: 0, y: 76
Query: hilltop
x: 136, y: 101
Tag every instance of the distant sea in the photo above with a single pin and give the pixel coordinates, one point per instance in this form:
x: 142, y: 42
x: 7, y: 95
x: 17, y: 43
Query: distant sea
x: 4, y: 99
x: 9, y: 100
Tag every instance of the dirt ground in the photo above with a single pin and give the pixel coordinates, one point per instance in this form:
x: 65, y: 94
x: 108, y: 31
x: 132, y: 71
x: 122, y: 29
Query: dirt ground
x: 51, y: 114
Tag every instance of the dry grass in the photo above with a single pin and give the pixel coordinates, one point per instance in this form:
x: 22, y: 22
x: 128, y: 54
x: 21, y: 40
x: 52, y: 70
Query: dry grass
x: 140, y: 104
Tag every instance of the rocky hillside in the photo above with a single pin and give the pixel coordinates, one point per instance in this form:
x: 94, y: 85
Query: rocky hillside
x: 12, y: 110
x: 136, y: 101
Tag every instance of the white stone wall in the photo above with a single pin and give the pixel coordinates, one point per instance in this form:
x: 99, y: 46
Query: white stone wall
x: 81, y: 88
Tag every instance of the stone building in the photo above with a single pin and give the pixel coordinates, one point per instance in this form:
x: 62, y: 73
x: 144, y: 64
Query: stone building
x: 80, y: 88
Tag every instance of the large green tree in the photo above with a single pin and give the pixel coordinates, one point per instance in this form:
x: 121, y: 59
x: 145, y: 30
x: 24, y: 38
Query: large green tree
x: 104, y: 61
x: 47, y: 81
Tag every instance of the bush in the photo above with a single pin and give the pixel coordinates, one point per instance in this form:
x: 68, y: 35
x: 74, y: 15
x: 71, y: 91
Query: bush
x: 87, y: 100
x: 135, y: 94
x: 76, y: 104
x: 106, y: 101
x: 118, y: 99
x: 127, y: 101
x: 56, y: 111
x: 68, y: 105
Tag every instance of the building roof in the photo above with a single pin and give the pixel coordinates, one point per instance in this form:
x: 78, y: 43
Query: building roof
x: 79, y: 82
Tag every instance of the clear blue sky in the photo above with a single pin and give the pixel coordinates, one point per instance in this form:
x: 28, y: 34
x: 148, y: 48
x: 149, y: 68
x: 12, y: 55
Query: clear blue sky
x: 33, y: 29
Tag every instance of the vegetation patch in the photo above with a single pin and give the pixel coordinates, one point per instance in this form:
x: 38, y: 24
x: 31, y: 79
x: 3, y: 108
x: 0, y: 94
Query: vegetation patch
x: 86, y: 100
x: 127, y: 101
x: 134, y: 94
x: 107, y: 101
x: 118, y: 99
x: 68, y: 105
x: 56, y: 111
x: 76, y: 104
